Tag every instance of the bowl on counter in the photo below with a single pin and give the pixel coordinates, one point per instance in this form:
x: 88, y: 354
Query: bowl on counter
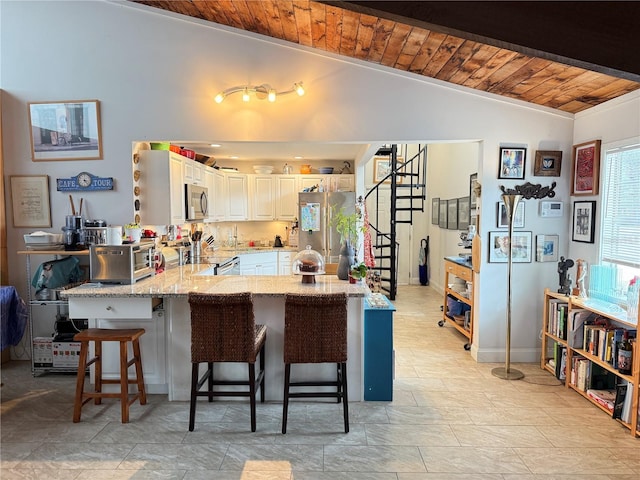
x: 325, y: 170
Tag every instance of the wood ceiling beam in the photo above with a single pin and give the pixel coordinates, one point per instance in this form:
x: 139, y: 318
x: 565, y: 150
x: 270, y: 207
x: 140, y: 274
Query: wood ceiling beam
x: 600, y: 36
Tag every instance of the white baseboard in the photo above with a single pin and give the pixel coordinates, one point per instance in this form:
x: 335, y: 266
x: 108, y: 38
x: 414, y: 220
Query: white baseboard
x: 495, y: 355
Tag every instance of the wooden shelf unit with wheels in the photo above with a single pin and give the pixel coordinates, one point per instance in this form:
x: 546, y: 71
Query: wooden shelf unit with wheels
x: 573, y: 341
x: 456, y: 267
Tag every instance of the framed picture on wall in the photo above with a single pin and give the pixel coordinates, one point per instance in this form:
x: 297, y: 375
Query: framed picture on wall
x: 452, y: 214
x: 512, y: 163
x: 473, y: 190
x: 585, y: 170
x: 30, y: 202
x: 584, y: 216
x: 68, y: 130
x: 547, y: 248
x: 547, y: 163
x: 503, y: 218
x: 435, y: 211
x: 442, y: 215
x: 499, y: 247
x: 463, y: 213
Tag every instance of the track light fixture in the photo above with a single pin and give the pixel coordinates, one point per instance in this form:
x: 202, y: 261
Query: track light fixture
x: 259, y: 91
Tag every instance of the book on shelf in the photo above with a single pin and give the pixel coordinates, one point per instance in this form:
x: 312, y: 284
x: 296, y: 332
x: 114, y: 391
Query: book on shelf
x: 556, y: 324
x: 560, y: 360
x: 604, y: 398
x: 575, y: 327
x: 582, y: 367
x: 618, y: 403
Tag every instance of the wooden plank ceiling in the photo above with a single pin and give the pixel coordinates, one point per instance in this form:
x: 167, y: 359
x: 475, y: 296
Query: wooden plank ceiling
x: 404, y: 46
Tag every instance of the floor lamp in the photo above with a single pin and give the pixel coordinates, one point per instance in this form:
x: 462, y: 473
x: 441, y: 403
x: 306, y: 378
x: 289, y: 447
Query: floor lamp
x: 506, y: 372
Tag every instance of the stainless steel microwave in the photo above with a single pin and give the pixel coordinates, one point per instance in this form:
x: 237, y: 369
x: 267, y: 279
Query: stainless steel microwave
x: 121, y: 264
x: 197, y: 202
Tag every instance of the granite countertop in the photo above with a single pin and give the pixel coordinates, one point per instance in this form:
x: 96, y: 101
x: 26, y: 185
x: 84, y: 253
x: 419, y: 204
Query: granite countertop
x: 179, y: 281
x: 241, y: 250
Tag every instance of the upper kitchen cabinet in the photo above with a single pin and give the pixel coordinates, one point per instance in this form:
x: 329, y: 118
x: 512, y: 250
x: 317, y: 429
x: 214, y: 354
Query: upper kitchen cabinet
x: 262, y: 196
x: 194, y: 172
x: 161, y: 188
x: 237, y: 197
x: 330, y: 183
x: 286, y: 197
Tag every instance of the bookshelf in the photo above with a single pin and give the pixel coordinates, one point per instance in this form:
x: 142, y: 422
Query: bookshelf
x: 579, y: 341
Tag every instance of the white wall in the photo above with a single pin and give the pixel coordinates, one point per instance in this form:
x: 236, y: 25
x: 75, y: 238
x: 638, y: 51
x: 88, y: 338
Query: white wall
x: 615, y: 123
x: 155, y: 76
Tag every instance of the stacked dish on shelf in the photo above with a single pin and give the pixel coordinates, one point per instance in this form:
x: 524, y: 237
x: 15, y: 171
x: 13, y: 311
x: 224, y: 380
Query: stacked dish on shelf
x: 43, y: 241
x: 263, y: 169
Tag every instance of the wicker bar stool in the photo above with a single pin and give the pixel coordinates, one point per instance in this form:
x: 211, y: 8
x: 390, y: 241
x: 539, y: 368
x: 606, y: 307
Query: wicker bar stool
x: 315, y: 331
x: 99, y: 335
x: 223, y: 329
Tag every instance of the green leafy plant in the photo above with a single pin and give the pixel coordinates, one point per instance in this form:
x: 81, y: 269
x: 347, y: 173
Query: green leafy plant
x: 359, y: 271
x: 348, y: 225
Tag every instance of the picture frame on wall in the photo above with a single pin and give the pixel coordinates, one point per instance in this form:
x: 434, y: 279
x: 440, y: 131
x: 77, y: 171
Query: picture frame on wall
x: 547, y: 163
x: 452, y: 214
x: 67, y: 130
x: 584, y: 216
x: 547, y: 248
x: 31, y: 206
x: 464, y: 213
x: 435, y: 211
x: 442, y: 215
x: 512, y: 163
x: 503, y: 218
x: 499, y: 247
x: 473, y: 191
x: 585, y: 171
x: 382, y: 168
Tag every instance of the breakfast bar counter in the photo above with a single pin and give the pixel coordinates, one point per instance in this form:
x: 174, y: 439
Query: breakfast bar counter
x: 159, y: 304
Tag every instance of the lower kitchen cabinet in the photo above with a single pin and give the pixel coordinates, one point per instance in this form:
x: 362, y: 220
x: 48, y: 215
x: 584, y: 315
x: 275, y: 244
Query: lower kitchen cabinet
x: 145, y: 312
x: 260, y: 263
x: 284, y: 263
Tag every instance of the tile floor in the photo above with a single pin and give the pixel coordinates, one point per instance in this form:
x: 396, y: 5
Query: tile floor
x: 450, y: 420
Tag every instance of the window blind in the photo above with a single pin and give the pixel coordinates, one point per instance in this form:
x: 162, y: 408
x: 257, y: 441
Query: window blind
x: 621, y: 215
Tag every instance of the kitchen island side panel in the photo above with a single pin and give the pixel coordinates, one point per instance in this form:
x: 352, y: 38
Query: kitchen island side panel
x: 269, y: 310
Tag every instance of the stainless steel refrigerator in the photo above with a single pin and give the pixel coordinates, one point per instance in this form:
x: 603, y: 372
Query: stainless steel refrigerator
x: 314, y: 214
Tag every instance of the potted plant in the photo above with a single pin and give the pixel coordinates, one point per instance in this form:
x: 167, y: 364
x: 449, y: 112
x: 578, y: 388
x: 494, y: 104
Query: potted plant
x: 357, y: 272
x: 348, y: 225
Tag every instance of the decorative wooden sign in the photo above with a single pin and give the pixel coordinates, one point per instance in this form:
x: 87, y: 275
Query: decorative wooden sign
x: 84, y: 181
x: 529, y: 190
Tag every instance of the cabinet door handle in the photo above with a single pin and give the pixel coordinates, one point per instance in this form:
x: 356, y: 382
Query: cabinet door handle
x: 109, y: 307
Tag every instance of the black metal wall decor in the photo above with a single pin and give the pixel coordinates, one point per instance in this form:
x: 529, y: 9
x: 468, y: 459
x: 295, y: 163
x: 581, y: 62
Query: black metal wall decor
x: 529, y: 190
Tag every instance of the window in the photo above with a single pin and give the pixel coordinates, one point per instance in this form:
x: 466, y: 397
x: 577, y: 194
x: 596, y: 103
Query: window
x: 620, y: 244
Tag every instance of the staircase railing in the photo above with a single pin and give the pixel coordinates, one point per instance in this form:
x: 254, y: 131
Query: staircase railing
x: 407, y: 191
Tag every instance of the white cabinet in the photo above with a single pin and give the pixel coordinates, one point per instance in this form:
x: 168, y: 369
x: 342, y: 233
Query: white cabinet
x: 161, y: 188
x: 263, y: 263
x: 193, y: 172
x: 286, y: 197
x: 209, y: 183
x: 128, y: 313
x: 341, y: 183
x: 330, y: 183
x: 218, y: 194
x: 262, y: 193
x: 284, y: 263
x: 308, y: 181
x: 237, y: 197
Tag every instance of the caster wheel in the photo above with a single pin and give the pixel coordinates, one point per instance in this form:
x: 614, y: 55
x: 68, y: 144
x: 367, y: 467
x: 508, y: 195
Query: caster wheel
x: 441, y: 323
x: 467, y: 346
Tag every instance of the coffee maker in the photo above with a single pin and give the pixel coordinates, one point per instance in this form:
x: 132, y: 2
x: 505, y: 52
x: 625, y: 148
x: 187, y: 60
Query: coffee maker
x: 72, y: 233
